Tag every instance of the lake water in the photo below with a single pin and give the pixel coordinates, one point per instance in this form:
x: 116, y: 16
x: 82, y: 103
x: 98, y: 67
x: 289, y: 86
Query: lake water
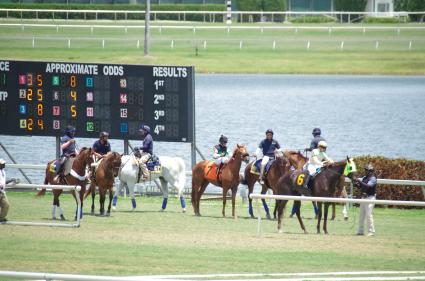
x: 358, y: 115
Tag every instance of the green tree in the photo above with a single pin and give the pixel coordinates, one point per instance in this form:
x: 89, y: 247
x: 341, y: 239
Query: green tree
x: 416, y: 5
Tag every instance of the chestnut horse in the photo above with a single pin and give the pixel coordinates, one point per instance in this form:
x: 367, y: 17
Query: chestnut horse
x: 104, y: 178
x: 228, y: 179
x: 77, y: 177
x: 324, y: 184
x: 278, y: 169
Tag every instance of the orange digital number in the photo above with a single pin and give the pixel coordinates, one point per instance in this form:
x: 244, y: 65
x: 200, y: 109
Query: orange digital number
x: 39, y: 109
x: 73, y: 81
x: 74, y: 95
x: 29, y: 94
x: 73, y: 111
x: 29, y: 79
x: 40, y: 124
x: 30, y: 122
x: 39, y: 94
x: 39, y: 80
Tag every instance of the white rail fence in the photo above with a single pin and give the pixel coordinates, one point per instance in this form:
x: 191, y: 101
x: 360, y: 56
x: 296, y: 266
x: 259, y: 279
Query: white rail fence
x: 257, y: 197
x: 75, y: 189
x: 210, y: 16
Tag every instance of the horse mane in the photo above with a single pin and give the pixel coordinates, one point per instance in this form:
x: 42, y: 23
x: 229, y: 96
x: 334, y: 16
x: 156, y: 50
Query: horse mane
x: 336, y: 165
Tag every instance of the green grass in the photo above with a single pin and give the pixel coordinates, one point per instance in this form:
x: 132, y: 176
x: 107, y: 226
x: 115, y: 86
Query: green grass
x: 222, y: 53
x: 151, y: 242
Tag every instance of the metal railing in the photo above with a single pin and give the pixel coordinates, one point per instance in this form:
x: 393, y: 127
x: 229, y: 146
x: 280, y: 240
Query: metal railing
x: 207, y: 16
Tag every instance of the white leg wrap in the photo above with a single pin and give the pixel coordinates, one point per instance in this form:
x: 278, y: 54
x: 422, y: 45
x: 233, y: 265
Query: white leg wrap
x: 53, y: 211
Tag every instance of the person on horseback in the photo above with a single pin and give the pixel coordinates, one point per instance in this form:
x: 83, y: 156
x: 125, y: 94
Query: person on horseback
x: 102, y: 145
x: 368, y: 188
x: 317, y: 160
x: 68, y: 147
x: 146, y: 149
x: 221, y: 155
x: 267, y: 148
x: 316, y: 139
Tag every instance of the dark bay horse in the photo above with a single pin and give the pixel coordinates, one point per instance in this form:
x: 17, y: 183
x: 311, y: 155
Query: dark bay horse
x: 77, y: 177
x: 104, y: 178
x: 278, y: 168
x: 324, y: 185
x: 229, y: 178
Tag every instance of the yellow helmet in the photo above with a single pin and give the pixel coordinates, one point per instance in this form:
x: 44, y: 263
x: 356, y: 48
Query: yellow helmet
x: 322, y: 144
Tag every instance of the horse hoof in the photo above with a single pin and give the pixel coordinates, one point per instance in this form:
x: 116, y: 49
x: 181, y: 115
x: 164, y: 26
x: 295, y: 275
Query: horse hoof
x: 268, y: 217
x: 114, y: 208
x: 235, y: 217
x: 280, y: 231
x: 134, y: 209
x: 62, y: 218
x: 108, y: 214
x: 54, y: 218
x: 305, y: 232
x: 162, y: 210
x: 346, y: 218
x: 198, y: 214
x: 184, y: 210
x: 252, y: 217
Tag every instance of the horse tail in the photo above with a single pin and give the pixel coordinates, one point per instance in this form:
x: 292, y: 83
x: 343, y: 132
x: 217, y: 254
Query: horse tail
x: 88, y: 192
x: 42, y: 191
x: 182, y: 176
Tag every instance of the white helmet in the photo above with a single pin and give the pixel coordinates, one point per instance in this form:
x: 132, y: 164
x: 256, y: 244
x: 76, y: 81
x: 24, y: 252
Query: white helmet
x: 2, y: 161
x: 322, y: 144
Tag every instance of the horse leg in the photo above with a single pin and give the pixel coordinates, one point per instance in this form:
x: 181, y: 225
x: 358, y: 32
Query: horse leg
x: 234, y: 192
x: 198, y: 198
x: 93, y: 196
x: 110, y: 201
x: 132, y: 196
x: 223, y: 211
x: 319, y: 216
x: 280, y: 206
x: 266, y: 208
x: 250, y: 209
x: 117, y: 193
x: 102, y: 200
x: 297, y: 205
x: 333, y: 212
x: 275, y: 210
x: 164, y: 187
x: 325, y: 221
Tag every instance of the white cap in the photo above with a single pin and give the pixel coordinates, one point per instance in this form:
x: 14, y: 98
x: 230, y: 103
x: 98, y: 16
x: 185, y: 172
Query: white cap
x: 2, y: 161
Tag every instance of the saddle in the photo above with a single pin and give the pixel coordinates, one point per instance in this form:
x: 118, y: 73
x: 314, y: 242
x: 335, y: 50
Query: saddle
x: 256, y: 167
x: 153, y: 164
x: 67, y: 166
x: 297, y: 181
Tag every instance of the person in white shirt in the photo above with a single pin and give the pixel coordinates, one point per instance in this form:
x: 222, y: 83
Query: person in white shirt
x: 4, y: 203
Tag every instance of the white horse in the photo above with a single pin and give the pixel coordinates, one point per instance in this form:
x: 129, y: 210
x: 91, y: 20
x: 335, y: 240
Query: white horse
x: 173, y: 172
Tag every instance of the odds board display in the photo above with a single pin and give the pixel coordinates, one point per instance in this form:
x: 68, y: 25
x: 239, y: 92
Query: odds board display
x: 42, y: 98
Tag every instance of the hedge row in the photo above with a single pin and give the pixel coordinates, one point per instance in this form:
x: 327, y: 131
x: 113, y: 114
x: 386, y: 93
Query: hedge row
x: 401, y: 169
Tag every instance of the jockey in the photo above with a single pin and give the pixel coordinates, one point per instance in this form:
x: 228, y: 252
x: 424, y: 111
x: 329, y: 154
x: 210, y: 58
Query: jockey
x: 317, y: 160
x: 68, y: 147
x: 102, y: 146
x: 146, y: 149
x: 316, y: 139
x: 221, y: 155
x: 267, y: 148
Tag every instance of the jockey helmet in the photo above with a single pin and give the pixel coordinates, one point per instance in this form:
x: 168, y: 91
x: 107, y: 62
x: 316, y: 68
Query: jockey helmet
x: 2, y: 162
x: 269, y: 131
x: 316, y: 132
x: 145, y: 128
x: 69, y: 129
x: 103, y: 134
x: 322, y: 144
x: 369, y: 167
x: 223, y: 139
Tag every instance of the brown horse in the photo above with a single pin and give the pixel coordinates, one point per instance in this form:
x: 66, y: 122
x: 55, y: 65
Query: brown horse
x: 104, y: 178
x: 324, y: 185
x: 278, y: 168
x: 77, y: 177
x: 228, y: 179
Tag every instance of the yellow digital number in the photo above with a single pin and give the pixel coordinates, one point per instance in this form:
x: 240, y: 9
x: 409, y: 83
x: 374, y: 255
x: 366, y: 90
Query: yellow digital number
x: 73, y: 111
x: 300, y: 179
x: 30, y: 122
x: 29, y: 94
x: 40, y: 124
x: 74, y: 95
x: 39, y: 109
x: 39, y: 94
x: 39, y: 80
x: 73, y: 81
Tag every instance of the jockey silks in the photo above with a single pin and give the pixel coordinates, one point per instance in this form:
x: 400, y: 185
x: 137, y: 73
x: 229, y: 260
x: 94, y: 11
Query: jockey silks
x: 268, y: 147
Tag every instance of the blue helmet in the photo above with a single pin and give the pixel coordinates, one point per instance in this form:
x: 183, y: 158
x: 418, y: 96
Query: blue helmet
x: 316, y: 132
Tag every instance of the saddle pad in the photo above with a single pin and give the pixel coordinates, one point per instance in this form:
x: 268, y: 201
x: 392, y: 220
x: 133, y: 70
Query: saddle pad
x: 298, y: 178
x: 210, y: 171
x: 256, y: 167
x: 67, y: 167
x: 154, y: 167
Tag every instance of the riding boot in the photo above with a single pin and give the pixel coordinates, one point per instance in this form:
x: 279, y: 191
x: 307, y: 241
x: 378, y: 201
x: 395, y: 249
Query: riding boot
x: 306, y: 181
x: 261, y: 179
